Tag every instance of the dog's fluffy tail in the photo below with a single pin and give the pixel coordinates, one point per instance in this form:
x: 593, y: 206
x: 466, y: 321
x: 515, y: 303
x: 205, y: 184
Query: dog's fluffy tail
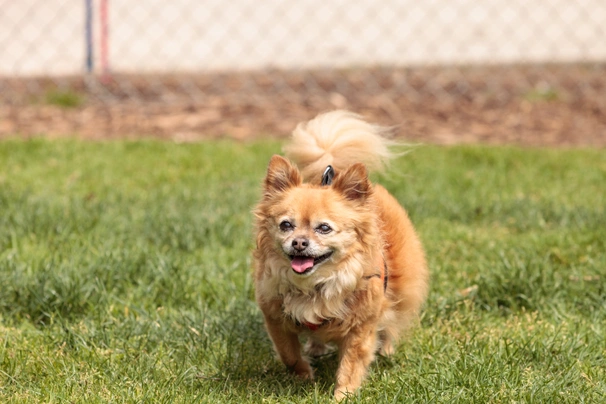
x: 338, y: 138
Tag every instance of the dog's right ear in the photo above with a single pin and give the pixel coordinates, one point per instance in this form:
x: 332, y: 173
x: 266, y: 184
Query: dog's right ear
x: 281, y: 175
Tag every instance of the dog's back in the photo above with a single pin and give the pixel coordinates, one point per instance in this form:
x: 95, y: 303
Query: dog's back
x: 405, y: 259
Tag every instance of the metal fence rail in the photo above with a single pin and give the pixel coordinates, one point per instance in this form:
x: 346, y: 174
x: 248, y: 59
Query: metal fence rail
x: 107, y: 57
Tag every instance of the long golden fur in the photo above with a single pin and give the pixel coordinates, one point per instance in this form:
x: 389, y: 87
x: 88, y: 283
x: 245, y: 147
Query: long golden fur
x: 339, y: 263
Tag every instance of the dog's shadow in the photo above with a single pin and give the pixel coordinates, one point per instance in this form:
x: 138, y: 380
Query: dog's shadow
x: 245, y: 364
x: 265, y: 375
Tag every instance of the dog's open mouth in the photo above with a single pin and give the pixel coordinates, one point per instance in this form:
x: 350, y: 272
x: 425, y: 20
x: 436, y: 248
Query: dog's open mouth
x: 302, y: 264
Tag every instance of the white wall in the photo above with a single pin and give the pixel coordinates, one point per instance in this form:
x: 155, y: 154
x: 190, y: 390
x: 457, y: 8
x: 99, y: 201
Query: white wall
x: 47, y: 37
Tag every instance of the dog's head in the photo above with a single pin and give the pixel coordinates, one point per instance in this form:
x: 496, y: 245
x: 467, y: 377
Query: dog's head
x: 315, y: 228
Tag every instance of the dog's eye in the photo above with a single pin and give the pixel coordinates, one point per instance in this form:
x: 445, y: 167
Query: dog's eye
x: 286, y: 225
x: 324, y: 228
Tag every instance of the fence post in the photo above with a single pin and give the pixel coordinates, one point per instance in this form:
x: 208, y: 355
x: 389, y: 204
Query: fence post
x: 103, y: 15
x: 88, y: 28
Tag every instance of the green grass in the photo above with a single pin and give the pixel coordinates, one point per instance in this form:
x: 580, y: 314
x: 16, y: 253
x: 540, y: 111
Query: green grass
x: 64, y: 98
x: 542, y: 94
x: 125, y: 276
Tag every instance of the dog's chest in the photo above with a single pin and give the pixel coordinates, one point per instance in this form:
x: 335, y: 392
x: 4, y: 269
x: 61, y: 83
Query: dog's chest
x: 314, y: 308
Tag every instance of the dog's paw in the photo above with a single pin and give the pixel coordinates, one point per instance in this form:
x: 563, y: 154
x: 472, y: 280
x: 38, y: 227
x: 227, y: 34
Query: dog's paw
x: 386, y: 348
x: 316, y: 349
x: 341, y: 394
x: 385, y: 345
x: 303, y: 370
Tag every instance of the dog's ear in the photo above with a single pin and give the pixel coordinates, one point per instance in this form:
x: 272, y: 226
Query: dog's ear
x: 353, y: 183
x: 281, y: 175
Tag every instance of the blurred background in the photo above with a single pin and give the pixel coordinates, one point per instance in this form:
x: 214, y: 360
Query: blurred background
x: 440, y: 71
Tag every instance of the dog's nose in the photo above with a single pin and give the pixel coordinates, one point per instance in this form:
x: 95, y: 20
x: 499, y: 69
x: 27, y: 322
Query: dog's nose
x: 300, y: 243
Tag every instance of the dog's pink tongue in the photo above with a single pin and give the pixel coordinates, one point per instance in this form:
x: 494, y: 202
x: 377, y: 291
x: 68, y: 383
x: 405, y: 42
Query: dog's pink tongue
x: 301, y: 264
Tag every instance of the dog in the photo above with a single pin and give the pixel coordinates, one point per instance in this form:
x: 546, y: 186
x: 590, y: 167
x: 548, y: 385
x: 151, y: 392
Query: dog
x: 337, y: 260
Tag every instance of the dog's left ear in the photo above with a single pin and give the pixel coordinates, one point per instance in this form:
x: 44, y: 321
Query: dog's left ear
x: 353, y: 183
x: 281, y: 175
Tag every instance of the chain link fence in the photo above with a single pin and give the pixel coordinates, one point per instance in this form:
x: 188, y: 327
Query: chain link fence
x: 439, y: 69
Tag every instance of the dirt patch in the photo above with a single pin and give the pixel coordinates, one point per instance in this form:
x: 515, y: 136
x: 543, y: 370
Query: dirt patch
x: 530, y: 106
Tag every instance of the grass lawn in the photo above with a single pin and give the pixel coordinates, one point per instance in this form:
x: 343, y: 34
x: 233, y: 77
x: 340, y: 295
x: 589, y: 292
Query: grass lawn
x: 125, y: 276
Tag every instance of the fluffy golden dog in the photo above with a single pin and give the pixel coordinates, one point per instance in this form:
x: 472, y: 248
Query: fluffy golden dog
x: 337, y: 259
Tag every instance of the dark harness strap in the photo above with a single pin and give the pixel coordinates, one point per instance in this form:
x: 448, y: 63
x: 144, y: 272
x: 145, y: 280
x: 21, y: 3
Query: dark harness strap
x: 384, y: 275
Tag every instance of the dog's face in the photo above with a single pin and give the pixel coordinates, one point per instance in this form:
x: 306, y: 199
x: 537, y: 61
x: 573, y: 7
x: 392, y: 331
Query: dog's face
x: 308, y: 229
x: 313, y: 227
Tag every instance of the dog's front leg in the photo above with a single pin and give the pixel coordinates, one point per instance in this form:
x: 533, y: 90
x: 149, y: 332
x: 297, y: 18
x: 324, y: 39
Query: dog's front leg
x: 288, y: 347
x: 356, y: 353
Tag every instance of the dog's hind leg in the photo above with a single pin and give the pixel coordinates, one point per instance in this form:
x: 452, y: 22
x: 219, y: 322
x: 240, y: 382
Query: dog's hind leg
x: 385, y: 347
x: 316, y: 348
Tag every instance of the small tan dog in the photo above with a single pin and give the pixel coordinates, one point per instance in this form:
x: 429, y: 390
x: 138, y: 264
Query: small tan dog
x: 337, y: 259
